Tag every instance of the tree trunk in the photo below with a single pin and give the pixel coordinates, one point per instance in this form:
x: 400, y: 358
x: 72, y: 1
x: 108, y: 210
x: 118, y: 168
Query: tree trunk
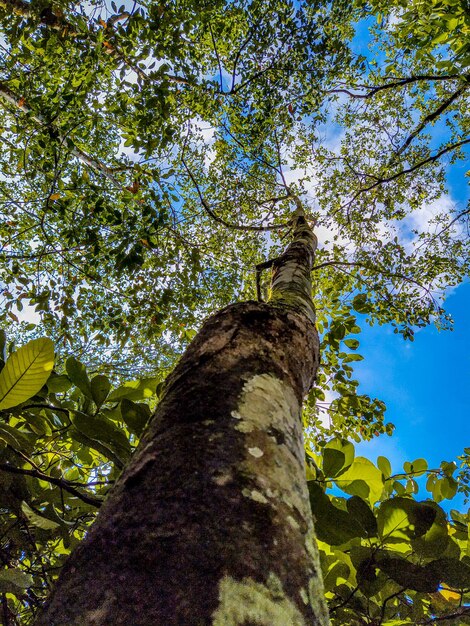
x: 210, y: 523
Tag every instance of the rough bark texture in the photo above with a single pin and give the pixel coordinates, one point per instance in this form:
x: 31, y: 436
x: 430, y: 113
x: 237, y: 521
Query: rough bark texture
x: 210, y: 523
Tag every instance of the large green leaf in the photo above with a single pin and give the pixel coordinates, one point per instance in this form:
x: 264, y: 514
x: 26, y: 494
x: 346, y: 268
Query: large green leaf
x: 135, y: 415
x: 332, y: 525
x: 25, y: 372
x: 58, y: 384
x: 454, y: 572
x: 338, y: 455
x: 362, y: 479
x: 361, y: 512
x: 411, y: 576
x: 434, y: 540
x: 421, y: 525
x: 135, y: 390
x: 17, y: 439
x: 102, y: 429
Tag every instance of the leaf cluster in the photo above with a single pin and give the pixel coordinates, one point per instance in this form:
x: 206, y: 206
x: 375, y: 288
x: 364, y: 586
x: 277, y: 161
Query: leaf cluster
x: 386, y: 557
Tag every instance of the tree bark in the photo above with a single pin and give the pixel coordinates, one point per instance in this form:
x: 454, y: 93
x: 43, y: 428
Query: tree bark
x: 210, y: 523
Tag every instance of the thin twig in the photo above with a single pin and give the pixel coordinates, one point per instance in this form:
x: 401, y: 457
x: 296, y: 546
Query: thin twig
x: 401, y: 82
x: 408, y: 170
x: 218, y: 59
x: 429, y: 119
x: 219, y: 219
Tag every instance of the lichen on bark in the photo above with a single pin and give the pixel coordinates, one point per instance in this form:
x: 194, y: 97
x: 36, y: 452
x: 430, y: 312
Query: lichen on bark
x: 250, y: 602
x: 291, y: 284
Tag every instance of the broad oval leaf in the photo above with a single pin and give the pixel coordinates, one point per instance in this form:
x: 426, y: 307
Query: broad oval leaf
x: 77, y: 374
x: 25, y: 372
x: 405, y: 520
x: 434, y: 540
x: 135, y: 390
x: 99, y: 428
x: 362, y: 479
x: 332, y: 525
x: 100, y: 387
x: 38, y: 520
x: 135, y: 415
x: 454, y: 572
x: 338, y: 455
x: 58, y: 383
x: 384, y: 466
x: 363, y: 515
x: 409, y: 575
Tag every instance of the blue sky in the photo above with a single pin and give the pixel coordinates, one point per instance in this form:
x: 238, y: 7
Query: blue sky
x: 425, y: 384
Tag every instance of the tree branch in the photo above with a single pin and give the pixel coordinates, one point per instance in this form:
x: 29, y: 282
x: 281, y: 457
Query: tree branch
x: 376, y: 269
x: 58, y: 482
x: 8, y: 96
x: 459, y: 612
x: 219, y: 219
x: 409, y: 170
x: 429, y: 119
x: 401, y: 82
x: 221, y: 82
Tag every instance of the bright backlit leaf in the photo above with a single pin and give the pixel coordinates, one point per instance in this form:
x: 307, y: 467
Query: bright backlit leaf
x: 25, y: 372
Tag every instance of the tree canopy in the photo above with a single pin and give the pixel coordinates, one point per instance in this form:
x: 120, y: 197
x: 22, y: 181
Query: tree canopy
x: 152, y: 156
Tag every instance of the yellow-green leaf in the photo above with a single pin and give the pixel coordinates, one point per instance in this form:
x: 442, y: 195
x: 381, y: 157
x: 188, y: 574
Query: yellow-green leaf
x: 25, y: 372
x: 362, y: 479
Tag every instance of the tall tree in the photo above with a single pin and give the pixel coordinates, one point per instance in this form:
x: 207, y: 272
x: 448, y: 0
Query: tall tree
x: 148, y: 152
x: 210, y: 522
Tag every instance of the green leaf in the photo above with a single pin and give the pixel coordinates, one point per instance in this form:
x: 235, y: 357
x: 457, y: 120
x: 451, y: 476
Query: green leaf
x: 409, y: 575
x: 362, y: 513
x: 332, y: 525
x: 100, y: 387
x: 362, y: 479
x: 435, y: 539
x: 339, y: 570
x: 420, y: 465
x: 384, y: 466
x: 13, y: 580
x: 422, y: 525
x: 37, y: 520
x: 351, y: 358
x: 101, y: 429
x: 25, y: 372
x: 135, y: 415
x: 453, y: 572
x: 58, y: 384
x: 135, y: 390
x: 338, y: 330
x: 17, y: 439
x: 77, y: 374
x: 338, y: 455
x: 448, y: 487
x: 360, y: 303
